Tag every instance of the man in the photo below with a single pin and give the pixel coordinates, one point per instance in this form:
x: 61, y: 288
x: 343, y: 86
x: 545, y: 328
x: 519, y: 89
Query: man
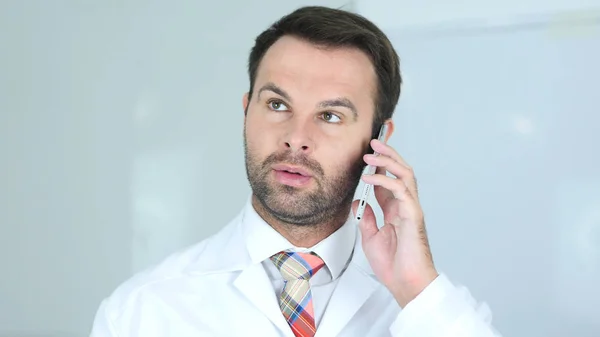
x: 293, y: 262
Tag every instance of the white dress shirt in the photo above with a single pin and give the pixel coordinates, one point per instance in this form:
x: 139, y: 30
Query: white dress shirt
x: 335, y: 250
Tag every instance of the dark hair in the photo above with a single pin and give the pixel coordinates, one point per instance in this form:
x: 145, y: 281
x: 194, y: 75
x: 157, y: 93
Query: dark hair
x: 330, y: 27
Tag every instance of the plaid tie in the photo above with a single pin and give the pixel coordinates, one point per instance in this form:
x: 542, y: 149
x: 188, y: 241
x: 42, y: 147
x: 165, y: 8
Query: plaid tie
x: 296, y: 299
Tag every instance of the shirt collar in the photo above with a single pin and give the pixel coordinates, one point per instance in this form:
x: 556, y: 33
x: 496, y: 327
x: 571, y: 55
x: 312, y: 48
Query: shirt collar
x: 263, y: 241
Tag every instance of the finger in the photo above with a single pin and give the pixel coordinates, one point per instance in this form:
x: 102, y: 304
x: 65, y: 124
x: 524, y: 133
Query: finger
x: 386, y: 150
x: 389, y: 151
x: 408, y: 206
x: 368, y: 223
x: 382, y: 194
x: 396, y: 186
x: 399, y: 170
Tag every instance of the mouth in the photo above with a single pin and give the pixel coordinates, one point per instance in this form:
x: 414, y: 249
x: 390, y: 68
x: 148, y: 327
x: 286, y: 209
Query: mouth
x: 292, y: 176
x: 292, y: 169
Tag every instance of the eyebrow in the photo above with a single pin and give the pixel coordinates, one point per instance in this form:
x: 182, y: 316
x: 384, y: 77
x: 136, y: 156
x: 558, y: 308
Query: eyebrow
x: 272, y: 87
x: 331, y: 103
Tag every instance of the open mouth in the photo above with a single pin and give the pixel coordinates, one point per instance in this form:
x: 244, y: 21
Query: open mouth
x: 292, y: 176
x: 292, y: 170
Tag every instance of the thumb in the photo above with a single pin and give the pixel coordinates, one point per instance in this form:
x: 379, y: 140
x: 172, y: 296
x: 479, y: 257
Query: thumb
x: 368, y: 223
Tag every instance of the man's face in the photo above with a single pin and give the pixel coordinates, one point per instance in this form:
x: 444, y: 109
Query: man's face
x: 308, y: 124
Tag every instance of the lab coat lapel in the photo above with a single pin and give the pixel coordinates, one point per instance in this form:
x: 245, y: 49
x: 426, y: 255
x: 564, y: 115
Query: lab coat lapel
x: 355, y: 287
x: 255, y: 285
x: 226, y: 253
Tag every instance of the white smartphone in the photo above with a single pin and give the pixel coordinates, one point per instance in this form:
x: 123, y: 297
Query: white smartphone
x: 364, y: 197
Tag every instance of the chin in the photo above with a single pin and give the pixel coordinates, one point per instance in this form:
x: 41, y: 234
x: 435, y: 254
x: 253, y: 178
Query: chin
x: 287, y: 196
x: 293, y: 205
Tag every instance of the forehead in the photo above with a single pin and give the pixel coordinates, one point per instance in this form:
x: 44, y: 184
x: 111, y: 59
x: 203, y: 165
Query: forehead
x: 303, y: 68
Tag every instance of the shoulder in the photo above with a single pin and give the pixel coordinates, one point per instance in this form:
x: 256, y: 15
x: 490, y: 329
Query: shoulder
x: 169, y: 269
x: 169, y: 272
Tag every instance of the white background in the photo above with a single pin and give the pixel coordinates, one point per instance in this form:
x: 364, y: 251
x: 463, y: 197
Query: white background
x: 111, y: 116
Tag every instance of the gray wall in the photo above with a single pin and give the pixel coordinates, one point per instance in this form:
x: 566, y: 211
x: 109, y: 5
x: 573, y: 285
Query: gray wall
x: 499, y: 118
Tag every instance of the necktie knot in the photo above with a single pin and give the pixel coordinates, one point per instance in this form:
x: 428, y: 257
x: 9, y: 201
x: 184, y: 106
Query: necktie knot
x: 297, y: 266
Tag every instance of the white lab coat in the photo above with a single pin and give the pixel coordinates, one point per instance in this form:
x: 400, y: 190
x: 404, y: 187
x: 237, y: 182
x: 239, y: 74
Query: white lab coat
x: 214, y: 289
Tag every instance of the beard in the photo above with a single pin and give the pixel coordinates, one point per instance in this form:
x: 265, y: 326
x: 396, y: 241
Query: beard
x: 329, y: 201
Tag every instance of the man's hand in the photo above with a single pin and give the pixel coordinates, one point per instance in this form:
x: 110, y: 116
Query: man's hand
x: 399, y: 252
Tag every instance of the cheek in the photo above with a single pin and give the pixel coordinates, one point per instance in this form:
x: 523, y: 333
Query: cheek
x: 259, y: 136
x: 344, y: 157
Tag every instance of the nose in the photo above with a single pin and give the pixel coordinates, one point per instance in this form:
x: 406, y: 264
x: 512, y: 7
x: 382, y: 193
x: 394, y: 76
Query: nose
x: 299, y: 138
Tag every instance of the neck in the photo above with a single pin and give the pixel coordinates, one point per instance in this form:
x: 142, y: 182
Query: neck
x: 302, y: 236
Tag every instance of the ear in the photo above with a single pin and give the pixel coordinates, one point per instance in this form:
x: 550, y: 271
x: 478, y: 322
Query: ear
x: 245, y: 101
x: 390, y: 126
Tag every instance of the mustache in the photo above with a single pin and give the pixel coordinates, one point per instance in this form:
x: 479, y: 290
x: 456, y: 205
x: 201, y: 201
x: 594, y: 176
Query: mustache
x: 297, y: 160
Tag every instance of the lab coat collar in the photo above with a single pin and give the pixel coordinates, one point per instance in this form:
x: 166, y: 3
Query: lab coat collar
x: 223, y: 251
x: 226, y: 252
x: 263, y: 242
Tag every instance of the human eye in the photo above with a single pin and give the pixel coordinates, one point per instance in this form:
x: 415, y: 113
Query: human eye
x: 330, y: 117
x: 277, y: 105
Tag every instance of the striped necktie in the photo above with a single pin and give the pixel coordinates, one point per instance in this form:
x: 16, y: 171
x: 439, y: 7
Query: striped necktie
x: 295, y: 301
